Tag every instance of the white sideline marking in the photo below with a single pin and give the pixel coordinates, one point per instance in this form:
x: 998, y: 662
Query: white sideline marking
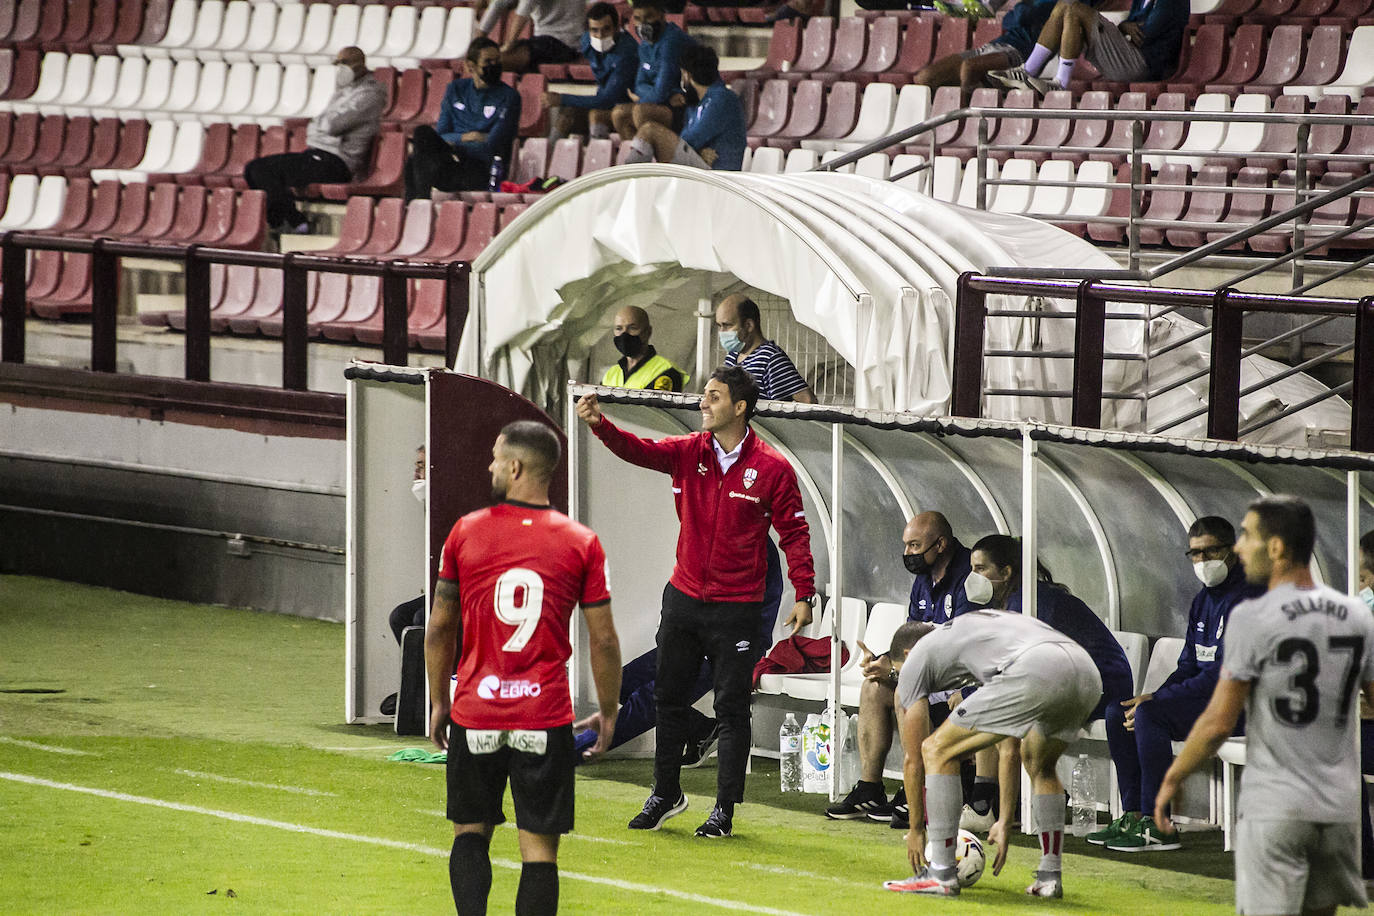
x: 799, y: 873
x: 297, y: 790
x: 718, y: 902
x: 50, y: 748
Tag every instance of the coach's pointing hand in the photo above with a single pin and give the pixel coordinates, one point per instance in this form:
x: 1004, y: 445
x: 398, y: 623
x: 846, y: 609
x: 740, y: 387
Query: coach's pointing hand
x: 800, y: 616
x: 589, y: 409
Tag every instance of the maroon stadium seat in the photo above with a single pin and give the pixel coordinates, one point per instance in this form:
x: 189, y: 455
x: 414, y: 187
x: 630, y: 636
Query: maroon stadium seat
x: 1245, y: 53
x: 851, y: 42
x: 1282, y: 60
x: 130, y: 216
x: 1052, y: 132
x: 156, y: 14
x: 1324, y: 56
x: 23, y: 75
x: 771, y: 111
x: 408, y: 101
x: 598, y: 155
x: 884, y: 43
x: 1206, y: 56
x: 816, y: 44
x: 75, y: 149
x: 1119, y: 207
x: 1278, y: 138
x: 23, y: 139
x: 192, y: 204
x: 783, y: 47
x: 105, y: 208
x: 1119, y: 132
x: 565, y: 159
x: 807, y: 105
x: 28, y: 18
x: 77, y: 26
x: 1203, y: 207
x: 427, y: 308
x: 6, y: 131
x: 1167, y: 135
x: 954, y: 37
x: 841, y: 112
x: 104, y: 148
x: 243, y: 148
x: 52, y: 133
x: 918, y: 44
x: 214, y: 150
x: 481, y: 228
x: 384, y: 178
x: 365, y: 293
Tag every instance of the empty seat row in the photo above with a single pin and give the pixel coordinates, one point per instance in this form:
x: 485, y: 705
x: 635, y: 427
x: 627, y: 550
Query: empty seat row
x: 864, y: 50
x: 1269, y: 11
x: 826, y: 116
x: 80, y: 24
x: 401, y: 35
x: 69, y: 146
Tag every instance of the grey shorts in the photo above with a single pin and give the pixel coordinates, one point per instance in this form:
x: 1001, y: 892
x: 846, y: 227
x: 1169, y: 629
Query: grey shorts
x: 1014, y: 57
x: 685, y: 155
x: 1110, y: 52
x: 1051, y: 687
x: 1295, y: 866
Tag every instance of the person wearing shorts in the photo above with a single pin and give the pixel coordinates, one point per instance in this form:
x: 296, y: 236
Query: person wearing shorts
x: 969, y: 69
x: 1295, y: 657
x: 1145, y: 46
x: 509, y: 579
x: 1036, y: 686
x: 558, y: 26
x: 713, y: 132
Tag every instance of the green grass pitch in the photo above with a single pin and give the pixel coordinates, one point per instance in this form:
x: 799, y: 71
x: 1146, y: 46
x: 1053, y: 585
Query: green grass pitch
x: 162, y: 757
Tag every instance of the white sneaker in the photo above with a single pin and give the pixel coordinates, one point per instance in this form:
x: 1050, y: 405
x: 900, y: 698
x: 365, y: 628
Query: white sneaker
x: 1047, y: 884
x: 974, y: 822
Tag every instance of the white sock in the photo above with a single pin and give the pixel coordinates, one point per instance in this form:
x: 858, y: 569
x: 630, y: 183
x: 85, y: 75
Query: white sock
x: 1048, y: 811
x: 1039, y: 56
x: 600, y: 131
x: 1065, y: 71
x: 640, y: 151
x: 944, y: 804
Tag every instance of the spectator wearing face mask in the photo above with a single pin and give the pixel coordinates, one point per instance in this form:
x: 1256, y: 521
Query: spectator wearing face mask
x: 640, y: 366
x: 478, y: 120
x: 338, y: 142
x: 713, y: 130
x: 657, y: 92
x: 741, y: 336
x: 409, y: 613
x: 614, y: 58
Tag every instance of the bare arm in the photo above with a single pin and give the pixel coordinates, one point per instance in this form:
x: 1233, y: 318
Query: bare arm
x: 915, y: 729
x: 1209, y: 732
x: 1008, y: 788
x: 605, y: 657
x: 442, y: 633
x: 804, y: 396
x: 514, y: 26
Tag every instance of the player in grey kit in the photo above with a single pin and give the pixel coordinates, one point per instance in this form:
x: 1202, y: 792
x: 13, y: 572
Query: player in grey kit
x: 1294, y: 658
x: 1038, y: 685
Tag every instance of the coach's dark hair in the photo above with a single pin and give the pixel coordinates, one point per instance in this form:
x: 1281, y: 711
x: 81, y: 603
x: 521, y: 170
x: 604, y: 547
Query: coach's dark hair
x: 703, y: 66
x: 742, y: 387
x: 906, y: 636
x: 1005, y: 550
x: 539, y: 444
x: 603, y: 10
x: 748, y: 310
x: 477, y: 47
x: 1213, y: 525
x: 1290, y: 520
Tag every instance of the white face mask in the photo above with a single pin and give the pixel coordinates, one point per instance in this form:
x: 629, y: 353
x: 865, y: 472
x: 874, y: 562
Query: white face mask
x: 419, y: 490
x: 1367, y: 596
x: 978, y: 588
x: 601, y: 44
x: 1210, y: 572
x: 343, y: 75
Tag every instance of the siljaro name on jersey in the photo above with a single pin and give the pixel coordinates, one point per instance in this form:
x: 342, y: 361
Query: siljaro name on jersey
x: 1304, y: 606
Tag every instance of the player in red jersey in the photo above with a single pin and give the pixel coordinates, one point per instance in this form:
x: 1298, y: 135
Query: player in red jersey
x: 508, y: 581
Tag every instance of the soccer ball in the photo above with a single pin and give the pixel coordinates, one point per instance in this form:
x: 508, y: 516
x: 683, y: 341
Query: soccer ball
x: 969, y: 858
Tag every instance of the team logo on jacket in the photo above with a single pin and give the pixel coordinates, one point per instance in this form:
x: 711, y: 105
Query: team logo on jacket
x: 488, y: 111
x: 701, y: 469
x: 750, y: 475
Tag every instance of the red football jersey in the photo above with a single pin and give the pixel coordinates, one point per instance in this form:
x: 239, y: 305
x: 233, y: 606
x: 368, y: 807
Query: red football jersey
x: 520, y: 572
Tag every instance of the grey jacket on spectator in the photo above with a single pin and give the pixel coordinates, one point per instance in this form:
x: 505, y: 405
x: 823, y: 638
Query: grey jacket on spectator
x: 350, y: 122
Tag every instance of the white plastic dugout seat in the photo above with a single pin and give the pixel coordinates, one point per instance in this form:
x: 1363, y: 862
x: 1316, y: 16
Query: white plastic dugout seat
x: 767, y: 160
x: 48, y: 202
x: 832, y: 155
x: 266, y: 92
x: 162, y: 136
x: 1204, y: 137
x: 261, y: 30
x: 1243, y: 139
x: 817, y: 686
x: 917, y: 181
x: 968, y: 186
x: 1163, y: 661
x: 209, y: 22
x: 233, y: 31
x: 1050, y: 201
x: 876, y: 108
x: 947, y: 175
x: 372, y: 26
x: 874, y: 165
x: 1358, y: 72
x: 295, y: 92
x: 314, y: 35
x: 913, y: 106
x: 400, y: 33
x: 800, y: 160
x: 1137, y: 649
x: 214, y: 75
x: 19, y: 204
x: 52, y: 74
x: 287, y: 28
x: 181, y: 25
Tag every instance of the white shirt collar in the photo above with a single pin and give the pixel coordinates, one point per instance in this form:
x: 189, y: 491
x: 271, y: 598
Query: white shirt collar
x: 727, y: 459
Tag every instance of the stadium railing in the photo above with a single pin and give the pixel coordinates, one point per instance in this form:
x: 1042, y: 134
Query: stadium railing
x: 105, y: 255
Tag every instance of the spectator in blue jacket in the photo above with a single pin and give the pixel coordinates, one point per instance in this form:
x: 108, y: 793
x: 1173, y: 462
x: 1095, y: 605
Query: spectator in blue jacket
x: 478, y: 120
x: 1145, y: 46
x: 1141, y: 729
x: 614, y: 59
x: 713, y: 131
x: 657, y: 93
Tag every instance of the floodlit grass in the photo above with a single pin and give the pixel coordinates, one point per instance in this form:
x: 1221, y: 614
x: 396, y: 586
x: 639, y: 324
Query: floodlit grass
x: 213, y: 759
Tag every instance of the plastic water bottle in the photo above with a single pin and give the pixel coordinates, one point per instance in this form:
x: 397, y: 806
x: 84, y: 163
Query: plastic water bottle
x: 1083, y: 797
x: 790, y: 744
x: 849, y: 752
x: 498, y: 173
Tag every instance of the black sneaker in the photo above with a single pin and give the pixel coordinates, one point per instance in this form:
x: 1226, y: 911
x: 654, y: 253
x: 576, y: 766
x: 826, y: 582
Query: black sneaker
x: 717, y: 825
x: 884, y: 814
x: 697, y: 751
x: 900, y: 819
x: 657, y: 810
x: 864, y: 798
x: 389, y: 705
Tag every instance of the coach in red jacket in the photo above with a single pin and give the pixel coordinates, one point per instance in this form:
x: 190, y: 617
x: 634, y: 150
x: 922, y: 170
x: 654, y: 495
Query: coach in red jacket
x: 729, y: 487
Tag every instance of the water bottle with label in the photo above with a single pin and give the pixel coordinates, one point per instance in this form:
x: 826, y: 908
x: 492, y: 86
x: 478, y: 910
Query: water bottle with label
x: 1083, y: 797
x: 498, y: 173
x: 790, y: 746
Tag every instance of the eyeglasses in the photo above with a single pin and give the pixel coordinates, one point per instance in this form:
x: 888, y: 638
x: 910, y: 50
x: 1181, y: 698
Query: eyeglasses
x: 1218, y: 552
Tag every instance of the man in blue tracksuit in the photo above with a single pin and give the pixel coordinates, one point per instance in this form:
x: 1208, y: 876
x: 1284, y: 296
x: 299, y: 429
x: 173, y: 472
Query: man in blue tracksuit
x: 614, y: 59
x: 1140, y: 730
x: 657, y: 93
x: 477, y: 122
x: 713, y: 131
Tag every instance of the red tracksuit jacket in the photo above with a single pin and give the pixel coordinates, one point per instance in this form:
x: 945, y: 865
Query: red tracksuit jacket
x: 725, y: 517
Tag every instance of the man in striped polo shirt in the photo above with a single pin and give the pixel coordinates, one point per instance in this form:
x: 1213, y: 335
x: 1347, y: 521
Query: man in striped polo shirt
x: 741, y: 335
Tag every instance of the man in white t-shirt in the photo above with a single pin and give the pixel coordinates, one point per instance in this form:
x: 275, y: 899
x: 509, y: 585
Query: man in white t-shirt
x: 1295, y: 658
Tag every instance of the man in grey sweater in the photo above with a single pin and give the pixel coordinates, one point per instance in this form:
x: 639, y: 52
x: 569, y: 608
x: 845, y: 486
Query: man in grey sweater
x: 338, y: 142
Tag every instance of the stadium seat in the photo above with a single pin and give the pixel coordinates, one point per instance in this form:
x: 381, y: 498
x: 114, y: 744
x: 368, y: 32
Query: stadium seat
x: 806, y: 108
x: 597, y: 155
x: 259, y: 33
x: 800, y: 160
x: 1203, y: 136
x: 875, y: 116
x: 1165, y: 203
x: 187, y: 76
x: 101, y: 89
x: 75, y: 148
x: 874, y: 165
x: 24, y: 74
x: 1322, y: 62
x: 916, y: 181
x: 918, y: 44
x: 1207, y: 203
x: 288, y: 24
x: 1049, y: 201
x: 401, y: 33
x: 1118, y: 206
x: 817, y: 41
x: 176, y: 31
x: 242, y: 149
x: 913, y: 106
x: 1086, y: 203
x: 456, y: 36
x: 209, y: 22
x: 1206, y: 48
x: 51, y: 76
x: 767, y: 160
x: 1245, y: 54
x: 946, y: 176
x: 954, y: 37
x: 76, y: 84
x: 383, y: 178
x: 783, y: 47
x: 127, y: 90
x: 1244, y: 209
x: 850, y: 45
x: 1242, y: 139
x: 364, y: 293
x: 565, y: 160
x: 771, y: 111
x: 371, y: 28
x: 1088, y: 132
x: 841, y: 113
x: 296, y: 82
x: 49, y: 200
x: 313, y: 39
x: 884, y: 43
x: 343, y: 32
x: 170, y: 147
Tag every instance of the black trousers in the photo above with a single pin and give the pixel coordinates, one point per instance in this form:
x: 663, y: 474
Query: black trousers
x: 277, y: 175
x: 723, y: 634
x: 407, y: 614
x: 434, y: 164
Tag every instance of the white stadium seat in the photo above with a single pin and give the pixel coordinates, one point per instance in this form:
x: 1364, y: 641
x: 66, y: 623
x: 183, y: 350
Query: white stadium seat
x: 321, y: 88
x: 181, y: 25
x: 290, y: 24
x: 51, y: 76
x: 800, y: 160
x: 209, y: 21
x: 104, y: 81
x: 48, y: 202
x: 875, y: 119
x: 314, y: 34
x: 968, y: 187
x: 210, y: 93
x: 400, y: 33
x: 371, y: 29
x: 947, y: 174
x: 767, y: 160
x: 913, y: 106
x: 233, y: 33
x: 262, y: 29
x: 1050, y: 201
x: 19, y: 203
x: 343, y: 31
x: 161, y: 138
x: 1203, y: 136
x: 917, y: 181
x: 266, y: 91
x: 1089, y: 203
x: 831, y: 155
x: 874, y: 165
x: 295, y: 91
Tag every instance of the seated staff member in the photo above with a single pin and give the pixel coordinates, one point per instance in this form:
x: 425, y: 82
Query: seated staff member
x: 657, y: 92
x: 640, y: 366
x: 614, y: 58
x: 713, y: 128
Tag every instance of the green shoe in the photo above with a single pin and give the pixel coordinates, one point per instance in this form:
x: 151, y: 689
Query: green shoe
x: 976, y: 9
x: 946, y: 9
x: 1126, y: 823
x: 1146, y: 837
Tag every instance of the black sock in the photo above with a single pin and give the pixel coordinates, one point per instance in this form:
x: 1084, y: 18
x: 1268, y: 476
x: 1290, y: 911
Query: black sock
x: 727, y: 808
x: 538, y: 894
x: 983, y: 794
x: 469, y: 874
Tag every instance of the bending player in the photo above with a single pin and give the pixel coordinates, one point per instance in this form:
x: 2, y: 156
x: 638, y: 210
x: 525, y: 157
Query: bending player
x: 1294, y: 658
x: 1038, y: 685
x: 508, y: 581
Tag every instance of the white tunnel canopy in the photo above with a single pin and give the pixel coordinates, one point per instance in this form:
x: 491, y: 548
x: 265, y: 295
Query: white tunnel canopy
x: 868, y: 264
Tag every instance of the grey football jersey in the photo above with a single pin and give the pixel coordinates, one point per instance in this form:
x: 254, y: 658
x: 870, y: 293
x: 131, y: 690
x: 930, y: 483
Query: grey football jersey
x: 1306, y: 653
x: 970, y: 649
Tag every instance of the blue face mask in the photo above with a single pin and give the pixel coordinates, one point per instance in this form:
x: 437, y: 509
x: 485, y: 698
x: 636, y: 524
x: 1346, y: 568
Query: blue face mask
x: 730, y: 342
x: 1367, y: 596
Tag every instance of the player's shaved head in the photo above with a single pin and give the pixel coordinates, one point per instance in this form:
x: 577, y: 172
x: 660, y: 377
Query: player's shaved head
x: 534, y: 444
x: 907, y: 636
